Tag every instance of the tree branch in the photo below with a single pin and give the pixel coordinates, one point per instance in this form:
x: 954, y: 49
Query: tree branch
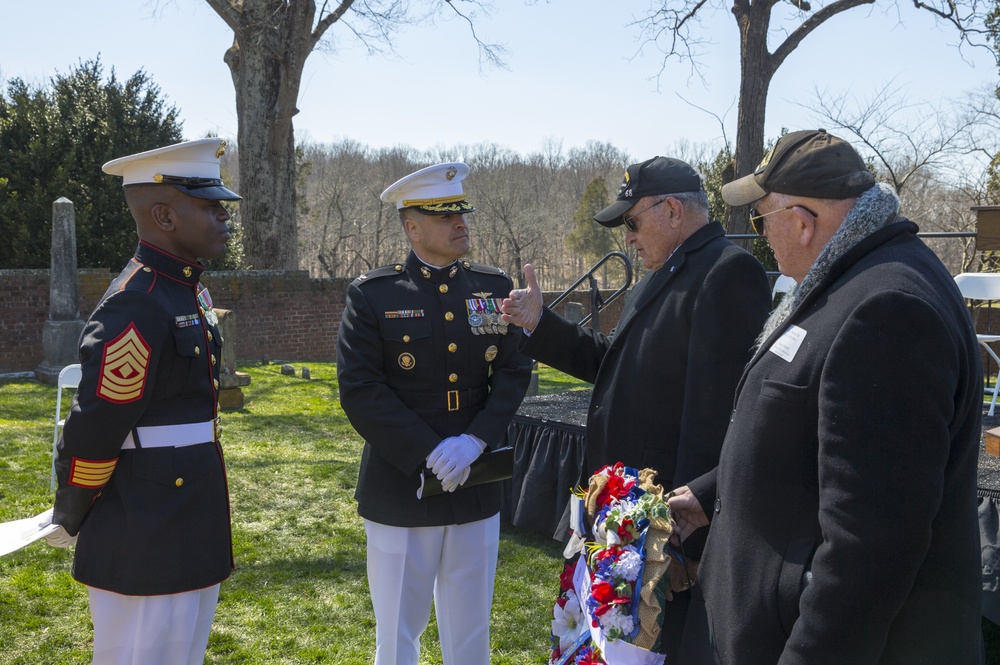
x: 494, y: 53
x: 795, y: 38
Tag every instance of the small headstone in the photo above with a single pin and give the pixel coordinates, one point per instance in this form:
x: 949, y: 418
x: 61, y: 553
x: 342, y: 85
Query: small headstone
x: 573, y: 312
x: 305, y: 373
x: 265, y: 361
x: 287, y: 370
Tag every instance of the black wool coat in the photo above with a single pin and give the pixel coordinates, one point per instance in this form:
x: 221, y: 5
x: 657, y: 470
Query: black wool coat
x: 844, y: 524
x: 664, y: 379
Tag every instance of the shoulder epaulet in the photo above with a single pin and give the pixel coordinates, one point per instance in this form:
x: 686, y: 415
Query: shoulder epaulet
x: 482, y: 267
x: 384, y: 271
x: 139, y: 279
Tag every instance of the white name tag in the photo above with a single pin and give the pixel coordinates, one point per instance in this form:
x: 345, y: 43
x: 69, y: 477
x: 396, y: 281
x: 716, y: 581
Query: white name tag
x: 786, y: 346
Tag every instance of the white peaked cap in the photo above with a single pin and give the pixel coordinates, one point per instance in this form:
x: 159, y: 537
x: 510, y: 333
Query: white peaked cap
x: 192, y: 167
x: 435, y: 190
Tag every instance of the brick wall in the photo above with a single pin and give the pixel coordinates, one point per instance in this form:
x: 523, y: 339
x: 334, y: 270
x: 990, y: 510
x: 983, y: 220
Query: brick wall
x: 280, y: 315
x: 24, y: 309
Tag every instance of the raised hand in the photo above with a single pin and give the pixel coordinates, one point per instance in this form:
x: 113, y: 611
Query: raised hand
x: 523, y: 307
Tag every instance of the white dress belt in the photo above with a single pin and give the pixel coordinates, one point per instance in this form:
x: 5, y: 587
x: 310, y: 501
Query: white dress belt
x: 172, y: 436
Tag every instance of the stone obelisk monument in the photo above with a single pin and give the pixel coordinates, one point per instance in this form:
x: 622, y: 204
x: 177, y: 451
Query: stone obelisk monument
x: 61, y: 333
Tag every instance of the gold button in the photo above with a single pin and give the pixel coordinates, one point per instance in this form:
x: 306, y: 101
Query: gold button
x: 213, y: 359
x: 216, y: 382
x: 453, y: 378
x: 147, y: 269
x: 222, y: 341
x: 406, y: 338
x: 209, y: 335
x: 448, y: 316
x: 443, y: 288
x: 197, y: 350
x: 179, y: 482
x: 453, y: 347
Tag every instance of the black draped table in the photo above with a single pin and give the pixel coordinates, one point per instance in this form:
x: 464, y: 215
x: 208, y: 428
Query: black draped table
x: 548, y: 434
x: 989, y: 524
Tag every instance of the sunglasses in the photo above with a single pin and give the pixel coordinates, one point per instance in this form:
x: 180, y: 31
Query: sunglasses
x: 630, y: 221
x: 757, y: 221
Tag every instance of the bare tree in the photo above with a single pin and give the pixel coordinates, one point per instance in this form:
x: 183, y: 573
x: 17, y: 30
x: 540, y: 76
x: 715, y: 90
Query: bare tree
x: 936, y: 157
x: 272, y: 40
x: 673, y: 28
x: 505, y: 191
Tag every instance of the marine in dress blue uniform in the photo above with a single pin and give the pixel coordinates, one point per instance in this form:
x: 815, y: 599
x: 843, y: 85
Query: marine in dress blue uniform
x: 430, y: 377
x: 141, y: 477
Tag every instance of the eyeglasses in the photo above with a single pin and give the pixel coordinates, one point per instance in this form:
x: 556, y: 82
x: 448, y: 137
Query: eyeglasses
x: 757, y: 221
x: 630, y: 221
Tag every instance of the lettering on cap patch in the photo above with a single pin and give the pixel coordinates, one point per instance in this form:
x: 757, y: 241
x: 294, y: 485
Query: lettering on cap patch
x: 124, y: 368
x: 763, y: 162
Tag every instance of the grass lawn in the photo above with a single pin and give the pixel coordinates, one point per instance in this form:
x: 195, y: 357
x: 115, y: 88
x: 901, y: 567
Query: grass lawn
x: 299, y: 593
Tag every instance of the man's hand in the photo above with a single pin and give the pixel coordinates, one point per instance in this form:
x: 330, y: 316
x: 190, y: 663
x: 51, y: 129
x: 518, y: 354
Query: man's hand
x: 451, y: 487
x: 523, y: 307
x: 686, y: 512
x: 59, y: 538
x: 453, y: 456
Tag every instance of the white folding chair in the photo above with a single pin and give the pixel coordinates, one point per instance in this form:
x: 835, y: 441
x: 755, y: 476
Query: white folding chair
x: 980, y: 286
x: 69, y: 379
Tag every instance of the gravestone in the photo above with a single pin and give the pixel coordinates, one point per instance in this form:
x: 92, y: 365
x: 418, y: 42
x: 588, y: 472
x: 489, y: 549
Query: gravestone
x: 231, y: 382
x: 61, y: 332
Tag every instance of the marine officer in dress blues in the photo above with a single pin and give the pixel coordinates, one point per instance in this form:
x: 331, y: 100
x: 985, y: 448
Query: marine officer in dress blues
x: 430, y: 378
x: 142, y: 484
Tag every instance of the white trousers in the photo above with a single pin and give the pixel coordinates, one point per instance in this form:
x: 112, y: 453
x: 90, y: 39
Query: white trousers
x: 152, y: 630
x: 456, y: 565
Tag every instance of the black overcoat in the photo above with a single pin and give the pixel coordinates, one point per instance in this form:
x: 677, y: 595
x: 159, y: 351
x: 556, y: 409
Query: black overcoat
x: 151, y: 521
x: 844, y: 524
x: 415, y: 365
x: 664, y: 379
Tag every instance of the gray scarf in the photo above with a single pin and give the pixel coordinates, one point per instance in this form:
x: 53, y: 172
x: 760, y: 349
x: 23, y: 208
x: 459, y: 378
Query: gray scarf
x: 874, y: 210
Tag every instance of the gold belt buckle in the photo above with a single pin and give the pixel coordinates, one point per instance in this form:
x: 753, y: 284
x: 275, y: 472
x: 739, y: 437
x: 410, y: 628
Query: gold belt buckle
x: 216, y: 429
x: 453, y: 400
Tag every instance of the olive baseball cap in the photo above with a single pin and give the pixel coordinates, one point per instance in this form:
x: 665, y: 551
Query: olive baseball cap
x: 809, y: 163
x: 653, y: 177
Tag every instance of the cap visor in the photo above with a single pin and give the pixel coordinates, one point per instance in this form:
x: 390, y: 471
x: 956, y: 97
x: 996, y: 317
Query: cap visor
x: 612, y: 215
x: 213, y: 193
x: 743, y: 191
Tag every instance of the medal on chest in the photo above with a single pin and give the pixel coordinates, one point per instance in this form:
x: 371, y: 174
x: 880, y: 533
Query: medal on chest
x: 484, y: 315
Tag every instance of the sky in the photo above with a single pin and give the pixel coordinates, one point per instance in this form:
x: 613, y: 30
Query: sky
x: 576, y: 72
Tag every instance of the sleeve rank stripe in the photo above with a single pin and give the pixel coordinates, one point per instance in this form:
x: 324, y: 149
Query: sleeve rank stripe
x: 91, y: 474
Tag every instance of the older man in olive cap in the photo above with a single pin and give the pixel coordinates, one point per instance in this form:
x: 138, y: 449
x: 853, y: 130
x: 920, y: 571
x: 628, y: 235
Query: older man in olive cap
x: 843, y: 509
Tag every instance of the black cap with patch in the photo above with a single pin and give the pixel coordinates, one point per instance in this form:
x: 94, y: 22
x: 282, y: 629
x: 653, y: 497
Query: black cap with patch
x: 808, y: 163
x: 653, y: 177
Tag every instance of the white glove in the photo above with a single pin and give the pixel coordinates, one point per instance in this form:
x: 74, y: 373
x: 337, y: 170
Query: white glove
x: 451, y: 487
x: 453, y: 456
x: 59, y: 538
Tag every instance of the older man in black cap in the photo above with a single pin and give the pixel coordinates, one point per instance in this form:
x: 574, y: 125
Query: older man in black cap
x: 430, y: 377
x: 664, y: 379
x: 843, y: 509
x: 142, y: 482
